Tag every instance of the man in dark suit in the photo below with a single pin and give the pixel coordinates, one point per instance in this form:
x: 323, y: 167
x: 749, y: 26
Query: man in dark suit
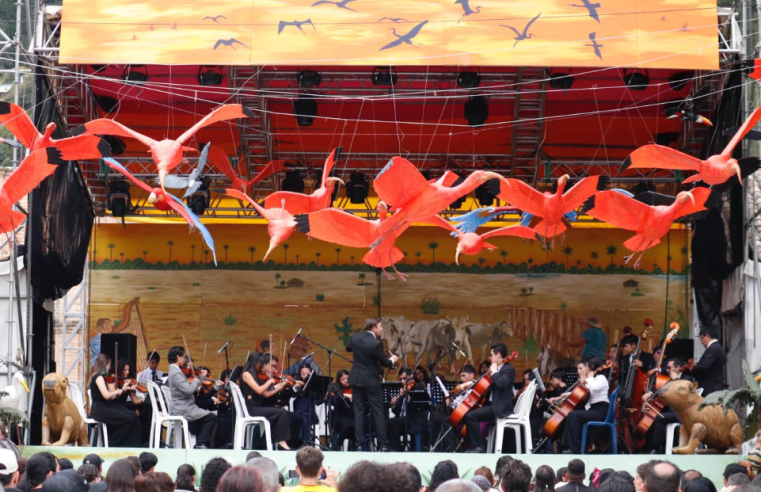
x: 645, y: 361
x: 408, y: 418
x: 499, y: 401
x: 365, y: 380
x: 709, y: 371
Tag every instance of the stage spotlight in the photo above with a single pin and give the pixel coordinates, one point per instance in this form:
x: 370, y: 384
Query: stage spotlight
x: 562, y: 81
x: 357, y: 188
x: 137, y: 74
x: 455, y: 205
x: 477, y: 110
x: 384, y: 76
x: 118, y: 198
x: 198, y: 201
x: 210, y: 75
x: 293, y: 182
x: 666, y: 138
x: 305, y: 109
x: 643, y: 187
x: 484, y: 196
x: 308, y: 79
x: 636, y: 80
x: 468, y: 80
x: 117, y: 144
x: 679, y: 80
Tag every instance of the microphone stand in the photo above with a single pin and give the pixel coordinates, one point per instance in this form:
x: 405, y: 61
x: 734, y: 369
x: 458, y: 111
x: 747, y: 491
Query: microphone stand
x: 233, y: 417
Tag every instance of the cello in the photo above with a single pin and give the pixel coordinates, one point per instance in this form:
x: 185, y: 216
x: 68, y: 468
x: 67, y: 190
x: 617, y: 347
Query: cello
x: 476, y: 395
x: 636, y: 378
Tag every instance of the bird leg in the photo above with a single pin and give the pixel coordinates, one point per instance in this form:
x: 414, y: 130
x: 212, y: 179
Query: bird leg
x: 380, y: 262
x: 374, y: 245
x: 393, y: 265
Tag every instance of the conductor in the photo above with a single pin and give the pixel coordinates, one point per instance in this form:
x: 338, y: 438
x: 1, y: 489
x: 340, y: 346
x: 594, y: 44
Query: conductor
x: 365, y: 380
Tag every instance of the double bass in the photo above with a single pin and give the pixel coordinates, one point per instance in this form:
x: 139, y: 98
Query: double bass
x: 476, y: 395
x: 636, y: 378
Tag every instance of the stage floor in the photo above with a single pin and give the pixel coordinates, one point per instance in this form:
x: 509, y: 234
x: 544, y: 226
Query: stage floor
x: 710, y: 466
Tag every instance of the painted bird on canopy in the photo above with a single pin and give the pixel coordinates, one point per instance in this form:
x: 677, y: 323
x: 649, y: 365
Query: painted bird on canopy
x: 650, y: 223
x: 167, y: 153
x: 471, y: 243
x: 222, y: 163
x: 15, y: 119
x: 166, y: 202
x: 37, y: 166
x: 715, y: 170
x: 415, y: 199
x: 299, y: 203
x: 548, y: 209
x: 280, y: 222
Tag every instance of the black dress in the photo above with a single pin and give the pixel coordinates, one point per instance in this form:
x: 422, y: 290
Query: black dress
x: 123, y: 424
x: 341, y: 417
x: 279, y: 420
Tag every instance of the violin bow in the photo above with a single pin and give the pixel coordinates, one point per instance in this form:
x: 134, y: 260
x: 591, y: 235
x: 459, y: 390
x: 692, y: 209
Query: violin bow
x: 203, y: 358
x: 145, y: 366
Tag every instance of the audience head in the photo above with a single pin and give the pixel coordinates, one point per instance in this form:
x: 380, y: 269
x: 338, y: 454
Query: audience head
x: 148, y: 462
x: 65, y: 464
x: 121, y: 476
x: 576, y: 471
x: 416, y: 481
x: 560, y: 475
x: 154, y: 482
x: 366, y: 476
x: 253, y: 454
x: 186, y: 478
x: 240, y: 479
x: 89, y: 473
x: 639, y: 479
x: 95, y: 460
x: 605, y: 474
x: 482, y: 482
x: 732, y: 469
x: 756, y: 482
x: 309, y: 462
x: 212, y: 472
x: 688, y: 476
x: 268, y: 472
x: 516, y: 477
x: 443, y: 471
x: 39, y: 467
x: 135, y: 462
x: 458, y: 485
x: 501, y: 462
x: 9, y: 474
x: 545, y: 479
x: 737, y: 479
x: 486, y: 472
x: 616, y: 483
x: 66, y: 481
x: 661, y: 476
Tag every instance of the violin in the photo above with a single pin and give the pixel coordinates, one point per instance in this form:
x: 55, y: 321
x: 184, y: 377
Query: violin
x: 346, y: 391
x: 289, y: 381
x: 120, y: 382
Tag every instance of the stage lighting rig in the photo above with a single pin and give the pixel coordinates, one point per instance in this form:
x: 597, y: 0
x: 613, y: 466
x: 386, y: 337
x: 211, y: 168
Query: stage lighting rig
x: 308, y: 79
x: 198, y: 201
x: 117, y: 144
x: 384, y: 76
x: 636, y: 80
x: 484, y: 196
x: 293, y: 182
x: 468, y: 80
x: 455, y: 205
x: 305, y: 109
x: 118, y: 198
x: 358, y: 188
x: 477, y: 110
x: 210, y: 76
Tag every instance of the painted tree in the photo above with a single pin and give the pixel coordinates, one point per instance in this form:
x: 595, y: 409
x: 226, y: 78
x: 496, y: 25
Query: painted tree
x: 297, y: 260
x: 404, y: 257
x: 481, y: 261
x: 206, y: 255
x: 338, y: 256
x: 351, y: 258
x: 252, y: 250
x: 503, y: 254
x: 111, y: 247
x: 193, y: 253
x: 432, y: 246
x: 594, y: 255
x: 361, y: 276
x: 278, y: 276
x: 170, y: 243
x: 418, y: 254
x: 611, y: 251
x: 285, y: 256
x: 318, y: 254
x: 567, y: 251
x: 122, y: 255
x: 227, y: 247
x: 145, y: 255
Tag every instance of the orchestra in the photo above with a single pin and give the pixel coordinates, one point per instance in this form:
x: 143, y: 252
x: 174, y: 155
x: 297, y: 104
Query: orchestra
x: 376, y: 407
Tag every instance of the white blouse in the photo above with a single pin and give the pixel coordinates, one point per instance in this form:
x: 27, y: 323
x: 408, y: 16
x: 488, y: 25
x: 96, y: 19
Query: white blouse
x: 598, y: 389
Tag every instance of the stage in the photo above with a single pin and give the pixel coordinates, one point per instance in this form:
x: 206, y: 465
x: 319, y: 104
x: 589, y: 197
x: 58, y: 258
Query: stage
x: 711, y: 466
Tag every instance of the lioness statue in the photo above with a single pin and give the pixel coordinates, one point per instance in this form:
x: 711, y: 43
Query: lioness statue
x: 719, y: 431
x: 62, y: 421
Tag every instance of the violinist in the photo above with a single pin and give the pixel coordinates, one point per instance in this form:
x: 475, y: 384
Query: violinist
x: 108, y: 405
x: 206, y: 394
x: 340, y: 400
x: 542, y: 408
x: 182, y: 389
x: 598, y: 405
x: 139, y: 404
x: 222, y: 437
x: 302, y: 404
x: 626, y: 359
x: 499, y: 404
x: 257, y: 384
x: 152, y: 372
x: 612, y: 355
x: 408, y: 419
x: 467, y: 376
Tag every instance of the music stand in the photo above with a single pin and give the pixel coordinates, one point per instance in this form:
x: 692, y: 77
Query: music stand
x: 315, y: 388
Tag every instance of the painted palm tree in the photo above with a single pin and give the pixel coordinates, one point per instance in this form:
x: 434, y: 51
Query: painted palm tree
x: 278, y: 276
x: 418, y: 254
x: 338, y: 256
x: 594, y: 255
x: 611, y: 251
x: 351, y: 258
x: 503, y: 254
x: 481, y: 261
x: 285, y: 256
x: 404, y: 257
x: 297, y: 260
x: 170, y: 243
x: 227, y: 247
x: 432, y: 246
x: 567, y: 251
x: 252, y: 250
x: 122, y: 255
x: 111, y: 247
x: 361, y: 276
x: 206, y: 255
x: 145, y: 255
x: 318, y: 254
x: 530, y: 261
x: 193, y: 253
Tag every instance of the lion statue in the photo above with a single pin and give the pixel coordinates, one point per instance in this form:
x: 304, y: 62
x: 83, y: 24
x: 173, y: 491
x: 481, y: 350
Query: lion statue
x: 62, y: 421
x: 709, y: 425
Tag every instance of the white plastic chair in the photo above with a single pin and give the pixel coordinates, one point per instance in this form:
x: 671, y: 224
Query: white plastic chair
x: 245, y: 424
x: 98, y: 436
x: 672, y: 428
x: 177, y: 426
x: 519, y: 418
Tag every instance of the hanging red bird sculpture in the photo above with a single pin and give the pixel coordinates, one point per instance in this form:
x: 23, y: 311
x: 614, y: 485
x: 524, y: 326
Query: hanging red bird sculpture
x: 550, y: 207
x: 15, y: 119
x: 650, y: 223
x: 471, y: 243
x: 167, y: 153
x: 715, y: 170
x: 299, y: 203
x: 37, y: 166
x: 219, y: 159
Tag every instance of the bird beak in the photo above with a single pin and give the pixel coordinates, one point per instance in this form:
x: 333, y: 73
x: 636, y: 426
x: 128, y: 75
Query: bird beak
x: 672, y: 116
x: 692, y: 197
x: 152, y: 198
x: 457, y: 254
x: 705, y: 121
x: 487, y: 175
x: 23, y: 383
x: 273, y: 245
x: 337, y: 180
x: 736, y: 168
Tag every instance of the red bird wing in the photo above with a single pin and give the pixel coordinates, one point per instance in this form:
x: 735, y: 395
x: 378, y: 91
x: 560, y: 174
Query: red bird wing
x: 744, y: 129
x: 120, y: 169
x: 338, y: 227
x: 329, y: 163
x: 443, y: 223
x: 271, y: 168
x: 222, y: 113
x: 523, y: 196
x: 447, y: 179
x: 580, y: 192
x: 218, y: 157
x: 399, y: 182
x: 15, y: 119
x: 619, y: 210
x: 701, y: 196
x: 104, y: 126
x: 82, y: 147
x: 245, y: 198
x: 295, y: 203
x: 515, y: 231
x: 660, y: 157
x: 37, y: 166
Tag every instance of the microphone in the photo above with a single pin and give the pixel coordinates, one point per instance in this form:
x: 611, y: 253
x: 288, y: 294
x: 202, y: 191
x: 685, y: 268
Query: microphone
x: 224, y: 347
x: 297, y: 335
x: 457, y: 348
x: 308, y: 356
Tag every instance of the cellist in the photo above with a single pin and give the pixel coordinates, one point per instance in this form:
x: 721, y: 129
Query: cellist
x: 597, y: 384
x: 656, y: 437
x: 499, y: 403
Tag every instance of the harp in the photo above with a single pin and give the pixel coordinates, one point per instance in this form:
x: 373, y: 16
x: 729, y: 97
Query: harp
x: 132, y: 322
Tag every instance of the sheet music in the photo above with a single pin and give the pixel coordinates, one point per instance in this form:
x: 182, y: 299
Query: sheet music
x: 443, y: 388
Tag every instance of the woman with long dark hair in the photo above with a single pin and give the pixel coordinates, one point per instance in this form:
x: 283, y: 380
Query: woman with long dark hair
x: 121, y: 477
x: 544, y: 480
x: 340, y: 400
x: 186, y: 478
x: 256, y: 385
x: 39, y: 467
x: 443, y: 471
x: 109, y: 405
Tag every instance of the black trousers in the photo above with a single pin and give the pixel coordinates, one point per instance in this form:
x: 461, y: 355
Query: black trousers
x: 656, y: 437
x: 575, y: 421
x: 343, y: 429
x: 369, y: 397
x: 484, y: 414
x: 396, y: 431
x: 203, y: 428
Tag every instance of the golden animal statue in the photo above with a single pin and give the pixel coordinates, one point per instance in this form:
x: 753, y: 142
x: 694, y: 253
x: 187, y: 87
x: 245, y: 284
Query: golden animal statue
x: 709, y: 425
x: 62, y: 423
